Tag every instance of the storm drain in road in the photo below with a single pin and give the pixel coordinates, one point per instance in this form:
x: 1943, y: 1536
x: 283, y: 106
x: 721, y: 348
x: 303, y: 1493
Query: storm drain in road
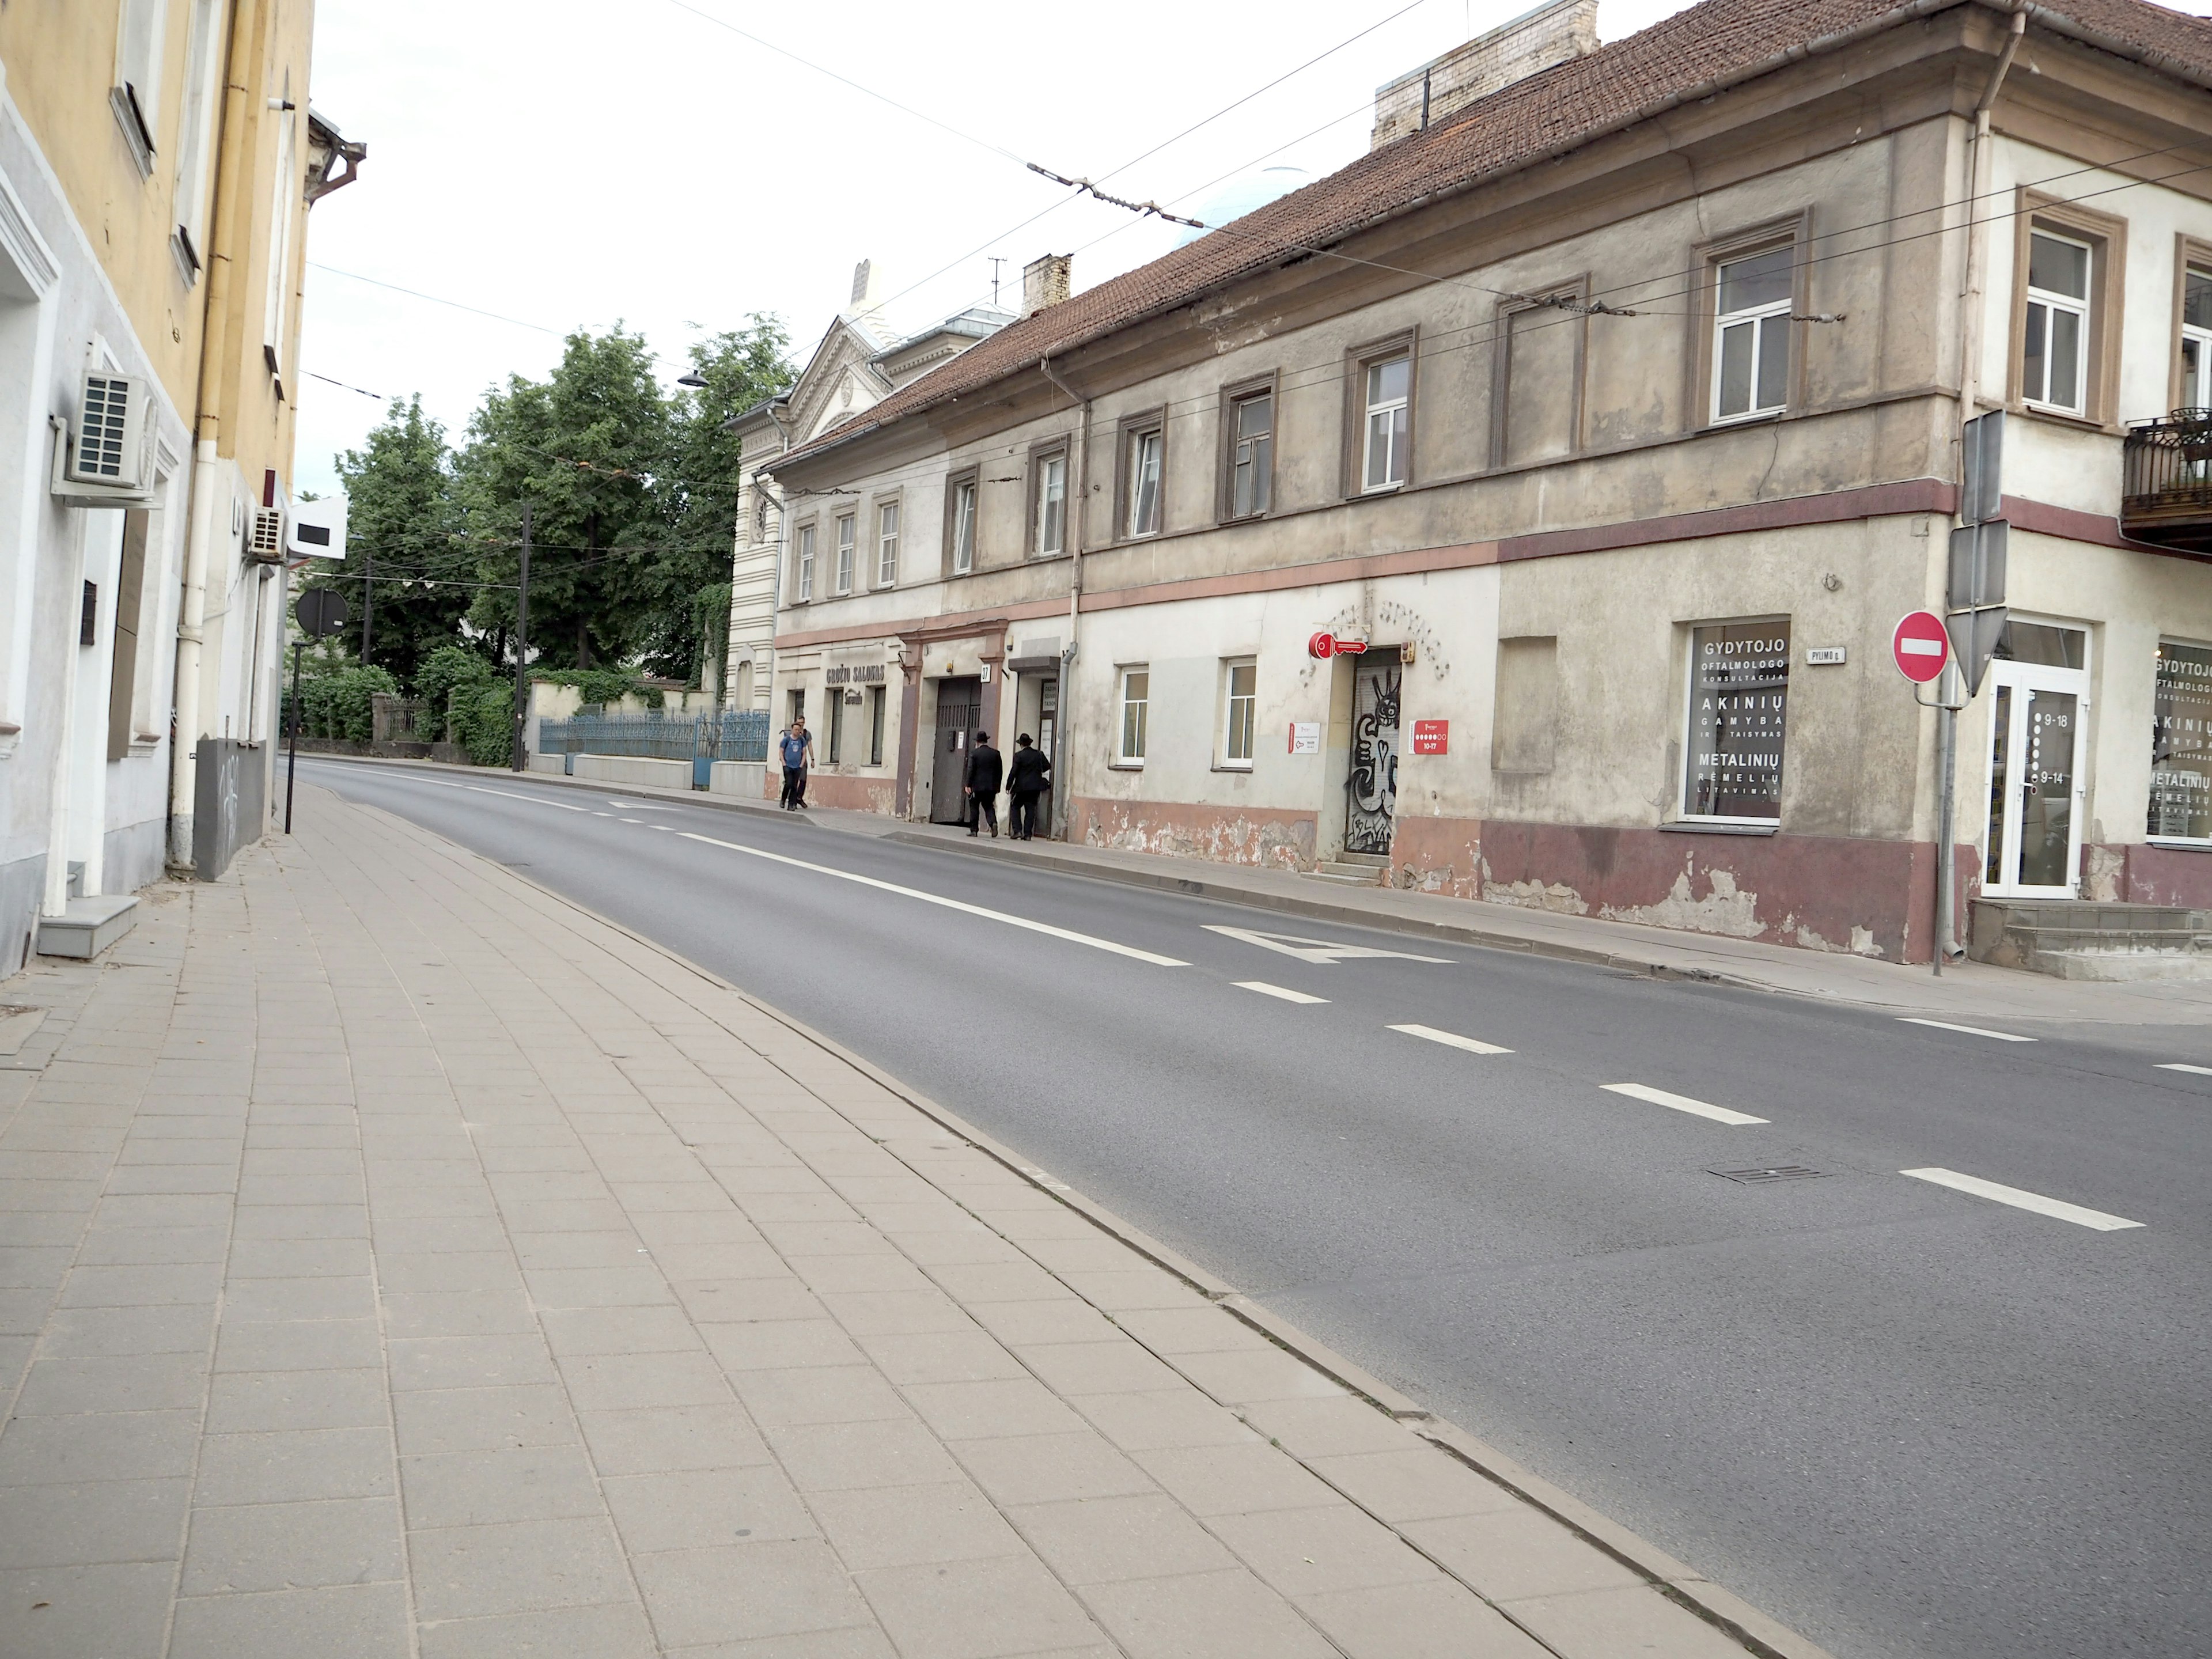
x: 1783, y: 1172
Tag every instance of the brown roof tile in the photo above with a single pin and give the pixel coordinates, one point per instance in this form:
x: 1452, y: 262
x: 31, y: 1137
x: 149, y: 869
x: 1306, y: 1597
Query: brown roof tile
x: 1717, y: 44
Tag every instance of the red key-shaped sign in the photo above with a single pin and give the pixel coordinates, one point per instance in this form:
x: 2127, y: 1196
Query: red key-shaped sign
x: 1921, y: 645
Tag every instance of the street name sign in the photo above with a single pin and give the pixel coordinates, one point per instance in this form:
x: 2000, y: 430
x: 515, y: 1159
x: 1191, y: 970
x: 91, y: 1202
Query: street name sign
x: 1921, y: 645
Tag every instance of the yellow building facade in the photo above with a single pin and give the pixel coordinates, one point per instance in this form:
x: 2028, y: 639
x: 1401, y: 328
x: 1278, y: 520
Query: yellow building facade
x: 157, y: 161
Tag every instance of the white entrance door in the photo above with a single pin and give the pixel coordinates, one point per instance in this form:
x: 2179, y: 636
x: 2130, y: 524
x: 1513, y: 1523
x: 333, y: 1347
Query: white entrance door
x: 2039, y: 766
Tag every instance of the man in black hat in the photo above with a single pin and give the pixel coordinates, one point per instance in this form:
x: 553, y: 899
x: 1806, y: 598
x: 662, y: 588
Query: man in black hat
x: 1027, y: 776
x: 986, y: 769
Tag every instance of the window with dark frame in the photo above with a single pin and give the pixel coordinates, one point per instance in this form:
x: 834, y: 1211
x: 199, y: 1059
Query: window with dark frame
x: 1050, y: 532
x: 1751, y: 333
x: 1251, y: 453
x: 1386, y: 433
x: 1738, y: 721
x: 1145, y: 449
x: 837, y: 752
x: 876, y: 700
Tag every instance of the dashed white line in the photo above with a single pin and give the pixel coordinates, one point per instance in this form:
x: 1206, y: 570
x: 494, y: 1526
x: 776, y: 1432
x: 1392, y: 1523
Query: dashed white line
x: 2183, y: 1065
x: 1281, y: 991
x: 479, y: 789
x: 1970, y: 1030
x: 639, y: 822
x: 2023, y: 1200
x: 1451, y: 1039
x: 1681, y: 1103
x: 1067, y: 933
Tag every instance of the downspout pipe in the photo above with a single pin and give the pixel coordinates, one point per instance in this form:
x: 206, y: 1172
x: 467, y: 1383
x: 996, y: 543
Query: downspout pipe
x: 1062, y: 796
x: 232, y: 136
x: 1969, y: 351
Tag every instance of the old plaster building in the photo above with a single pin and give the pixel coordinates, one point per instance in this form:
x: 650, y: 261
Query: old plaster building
x: 157, y: 158
x: 1617, y: 412
x: 860, y: 362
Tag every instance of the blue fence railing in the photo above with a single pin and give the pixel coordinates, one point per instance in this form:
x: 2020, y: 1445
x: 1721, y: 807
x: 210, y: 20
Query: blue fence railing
x: 703, y: 739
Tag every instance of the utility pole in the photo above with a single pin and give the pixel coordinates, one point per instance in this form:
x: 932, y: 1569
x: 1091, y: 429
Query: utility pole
x: 367, y: 600
x: 292, y: 771
x: 522, y: 645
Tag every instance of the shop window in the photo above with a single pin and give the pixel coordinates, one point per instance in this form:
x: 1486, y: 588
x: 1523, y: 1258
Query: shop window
x: 1136, y: 698
x: 876, y: 700
x: 1240, y: 712
x: 1738, y: 721
x: 1751, y: 334
x: 2181, y: 745
x: 836, y: 724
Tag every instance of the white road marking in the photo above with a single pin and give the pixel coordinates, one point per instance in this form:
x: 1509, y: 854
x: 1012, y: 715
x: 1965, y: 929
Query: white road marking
x: 1970, y: 1030
x: 1282, y: 991
x: 640, y: 805
x: 603, y: 815
x: 2179, y: 1065
x: 1451, y: 1039
x: 639, y: 822
x: 1681, y: 1103
x: 478, y: 789
x: 2023, y: 1200
x: 1319, y: 951
x: 1069, y: 934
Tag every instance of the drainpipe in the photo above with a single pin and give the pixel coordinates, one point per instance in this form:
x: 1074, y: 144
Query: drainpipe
x: 1970, y: 351
x: 1063, y: 800
x: 231, y: 143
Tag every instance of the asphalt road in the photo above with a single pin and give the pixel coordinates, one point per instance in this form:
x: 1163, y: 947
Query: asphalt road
x: 1906, y: 1420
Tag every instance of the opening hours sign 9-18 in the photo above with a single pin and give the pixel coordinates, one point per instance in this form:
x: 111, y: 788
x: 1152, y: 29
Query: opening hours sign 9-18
x: 1739, y: 707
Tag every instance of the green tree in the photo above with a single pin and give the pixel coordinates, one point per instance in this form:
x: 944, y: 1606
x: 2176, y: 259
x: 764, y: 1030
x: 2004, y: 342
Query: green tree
x: 687, y: 626
x: 585, y: 448
x: 402, y: 522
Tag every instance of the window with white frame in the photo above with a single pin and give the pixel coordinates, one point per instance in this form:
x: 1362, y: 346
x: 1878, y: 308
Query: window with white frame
x: 1385, y: 436
x: 1751, y: 334
x: 1136, y: 696
x: 139, y: 40
x: 963, y: 527
x: 849, y: 533
x: 2054, y: 353
x: 1240, y: 711
x: 2197, y: 338
x: 195, y: 131
x: 288, y: 186
x: 1051, y: 532
x: 1146, y: 447
x: 1251, y: 453
x: 887, y: 538
x: 805, y: 558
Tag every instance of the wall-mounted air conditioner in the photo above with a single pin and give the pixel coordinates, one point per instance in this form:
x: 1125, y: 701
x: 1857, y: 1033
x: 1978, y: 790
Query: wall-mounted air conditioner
x: 107, y: 458
x: 264, y: 535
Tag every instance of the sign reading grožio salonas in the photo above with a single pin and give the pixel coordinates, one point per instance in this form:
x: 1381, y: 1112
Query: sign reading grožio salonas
x: 1739, y: 708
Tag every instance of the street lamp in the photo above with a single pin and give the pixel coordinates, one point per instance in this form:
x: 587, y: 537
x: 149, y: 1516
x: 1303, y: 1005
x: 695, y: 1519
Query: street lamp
x: 691, y: 380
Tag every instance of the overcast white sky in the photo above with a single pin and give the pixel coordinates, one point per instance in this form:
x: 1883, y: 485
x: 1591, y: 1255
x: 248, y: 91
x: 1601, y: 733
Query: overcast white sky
x: 568, y: 162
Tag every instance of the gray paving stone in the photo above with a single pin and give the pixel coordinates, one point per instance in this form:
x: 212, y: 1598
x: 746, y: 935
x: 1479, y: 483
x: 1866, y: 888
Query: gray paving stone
x: 1046, y: 1469
x: 577, y: 1331
x: 135, y: 1382
x: 515, y: 1483
x: 914, y: 1525
x: 698, y: 1508
x: 269, y: 1301
x: 303, y: 1221
x: 354, y: 1621
x: 778, y: 1345
x: 481, y: 1420
x: 114, y: 1446
x: 469, y: 1362
x: 843, y: 1456
x: 243, y: 1403
x: 142, y: 1286
x: 1219, y: 1615
x: 87, y: 1333
x: 129, y: 1247
x: 738, y: 1591
x: 1440, y: 1621
x: 299, y: 1345
x: 1003, y: 1605
x: 1103, y: 1539
x: 448, y: 1272
x: 75, y: 1612
x: 273, y: 1546
x: 467, y: 1313
x: 298, y: 1258
x: 516, y: 1566
x: 293, y: 1466
x: 607, y: 1631
x: 102, y: 1520
x: 669, y: 1439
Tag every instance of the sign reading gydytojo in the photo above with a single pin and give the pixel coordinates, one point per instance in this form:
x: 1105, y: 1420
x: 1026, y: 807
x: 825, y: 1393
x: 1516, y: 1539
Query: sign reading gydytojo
x: 1739, y: 708
x: 2181, y: 744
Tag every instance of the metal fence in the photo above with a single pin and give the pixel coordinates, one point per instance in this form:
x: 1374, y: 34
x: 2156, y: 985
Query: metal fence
x: 703, y: 739
x: 2167, y: 482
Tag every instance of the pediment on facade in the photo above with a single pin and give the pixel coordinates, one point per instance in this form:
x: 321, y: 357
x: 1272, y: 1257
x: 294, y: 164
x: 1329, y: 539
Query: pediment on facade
x: 838, y: 380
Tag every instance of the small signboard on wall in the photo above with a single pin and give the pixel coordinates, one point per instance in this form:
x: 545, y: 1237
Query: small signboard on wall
x: 1305, y: 737
x: 1432, y: 737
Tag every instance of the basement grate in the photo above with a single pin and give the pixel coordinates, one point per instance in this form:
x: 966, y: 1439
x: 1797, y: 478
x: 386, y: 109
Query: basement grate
x: 1782, y: 1172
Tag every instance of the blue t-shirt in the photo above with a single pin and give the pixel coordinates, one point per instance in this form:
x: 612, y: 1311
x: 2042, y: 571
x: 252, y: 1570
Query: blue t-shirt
x: 794, y: 748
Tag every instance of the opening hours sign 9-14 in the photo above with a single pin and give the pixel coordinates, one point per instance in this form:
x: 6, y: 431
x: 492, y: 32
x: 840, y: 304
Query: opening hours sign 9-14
x: 1739, y: 707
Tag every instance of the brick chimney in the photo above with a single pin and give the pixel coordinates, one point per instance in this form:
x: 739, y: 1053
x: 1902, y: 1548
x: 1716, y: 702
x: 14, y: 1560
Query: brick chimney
x: 1552, y: 34
x: 1046, y: 280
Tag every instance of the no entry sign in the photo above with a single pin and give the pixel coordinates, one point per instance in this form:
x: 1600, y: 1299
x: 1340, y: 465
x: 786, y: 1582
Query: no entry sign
x: 1921, y: 645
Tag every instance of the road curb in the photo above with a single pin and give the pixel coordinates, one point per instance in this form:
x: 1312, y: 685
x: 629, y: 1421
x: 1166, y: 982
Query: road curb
x: 1757, y: 1632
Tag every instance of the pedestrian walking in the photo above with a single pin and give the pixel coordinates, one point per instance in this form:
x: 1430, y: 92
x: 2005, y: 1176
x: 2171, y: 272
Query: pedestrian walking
x: 986, y: 770
x: 1027, y: 776
x: 797, y: 746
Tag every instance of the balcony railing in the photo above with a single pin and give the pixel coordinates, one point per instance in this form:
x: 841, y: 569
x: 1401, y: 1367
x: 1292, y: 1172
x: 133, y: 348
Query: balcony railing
x: 2166, y: 493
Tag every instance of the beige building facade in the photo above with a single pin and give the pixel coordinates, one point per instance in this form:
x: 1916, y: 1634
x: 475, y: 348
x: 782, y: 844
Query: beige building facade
x: 1618, y: 416
x: 157, y: 159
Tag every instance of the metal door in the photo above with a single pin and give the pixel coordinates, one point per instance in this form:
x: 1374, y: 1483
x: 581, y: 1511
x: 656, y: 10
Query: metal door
x: 959, y: 706
x: 1371, y: 786
x: 2038, y: 755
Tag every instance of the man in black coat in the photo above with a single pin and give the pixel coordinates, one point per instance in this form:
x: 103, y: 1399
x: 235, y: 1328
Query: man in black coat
x: 1027, y: 777
x: 986, y: 769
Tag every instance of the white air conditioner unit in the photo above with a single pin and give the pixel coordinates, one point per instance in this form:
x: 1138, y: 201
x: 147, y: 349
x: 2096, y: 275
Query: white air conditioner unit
x: 318, y: 530
x: 109, y: 445
x: 264, y: 535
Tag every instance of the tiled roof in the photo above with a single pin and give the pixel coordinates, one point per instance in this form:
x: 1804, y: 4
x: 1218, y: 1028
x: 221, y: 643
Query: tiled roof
x: 1718, y: 44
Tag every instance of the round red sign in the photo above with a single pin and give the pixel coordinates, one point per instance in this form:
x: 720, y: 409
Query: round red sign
x: 1921, y: 645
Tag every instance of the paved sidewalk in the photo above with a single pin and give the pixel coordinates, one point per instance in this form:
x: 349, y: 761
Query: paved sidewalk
x: 1966, y: 989
x: 402, y: 1262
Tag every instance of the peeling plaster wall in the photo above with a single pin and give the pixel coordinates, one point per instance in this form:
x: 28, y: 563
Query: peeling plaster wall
x: 1279, y: 841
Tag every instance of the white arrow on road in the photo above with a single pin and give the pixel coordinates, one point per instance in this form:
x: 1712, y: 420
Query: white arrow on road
x: 1321, y: 952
